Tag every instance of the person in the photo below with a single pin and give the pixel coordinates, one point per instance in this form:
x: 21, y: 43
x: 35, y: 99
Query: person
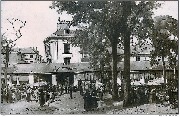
x: 13, y: 96
x: 94, y: 99
x: 152, y: 95
x: 80, y: 87
x: 62, y: 89
x: 18, y: 94
x: 66, y: 89
x: 28, y: 94
x: 70, y: 91
x: 87, y: 100
x: 9, y: 95
x: 41, y: 97
x: 2, y: 95
x: 101, y: 92
x: 36, y: 94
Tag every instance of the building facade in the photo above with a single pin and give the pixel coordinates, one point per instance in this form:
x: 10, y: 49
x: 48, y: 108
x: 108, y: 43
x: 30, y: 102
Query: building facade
x: 22, y: 55
x: 58, y: 46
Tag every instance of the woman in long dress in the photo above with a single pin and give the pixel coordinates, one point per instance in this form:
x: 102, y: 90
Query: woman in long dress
x: 41, y: 97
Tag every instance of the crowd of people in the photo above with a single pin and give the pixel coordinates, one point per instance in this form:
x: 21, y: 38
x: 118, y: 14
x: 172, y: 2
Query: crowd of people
x: 46, y: 94
x: 42, y: 94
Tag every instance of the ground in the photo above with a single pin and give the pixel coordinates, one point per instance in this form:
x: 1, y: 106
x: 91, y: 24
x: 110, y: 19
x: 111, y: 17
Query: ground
x: 64, y: 105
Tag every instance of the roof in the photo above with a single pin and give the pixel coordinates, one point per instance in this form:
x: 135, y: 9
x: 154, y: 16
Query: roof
x: 43, y: 68
x: 141, y: 66
x: 49, y: 68
x: 135, y: 65
x: 29, y: 50
x: 60, y: 35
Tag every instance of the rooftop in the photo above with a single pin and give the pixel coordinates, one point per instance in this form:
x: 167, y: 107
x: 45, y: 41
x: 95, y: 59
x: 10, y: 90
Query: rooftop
x: 29, y: 50
x: 43, y: 68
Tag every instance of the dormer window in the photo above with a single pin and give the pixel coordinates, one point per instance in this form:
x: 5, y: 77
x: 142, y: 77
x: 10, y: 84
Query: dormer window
x: 67, y: 31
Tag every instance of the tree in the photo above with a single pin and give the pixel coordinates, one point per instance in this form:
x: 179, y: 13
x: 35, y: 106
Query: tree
x: 113, y: 21
x: 8, y: 43
x: 165, y: 41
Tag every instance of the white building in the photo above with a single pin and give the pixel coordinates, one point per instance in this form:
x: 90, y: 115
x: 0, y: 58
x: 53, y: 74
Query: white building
x: 58, y: 47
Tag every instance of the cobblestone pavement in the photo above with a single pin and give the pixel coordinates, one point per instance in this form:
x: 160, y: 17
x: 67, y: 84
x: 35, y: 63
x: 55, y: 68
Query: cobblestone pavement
x: 64, y: 105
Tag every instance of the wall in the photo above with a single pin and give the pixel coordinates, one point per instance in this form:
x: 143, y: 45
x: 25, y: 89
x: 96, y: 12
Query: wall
x: 28, y: 59
x: 57, y: 50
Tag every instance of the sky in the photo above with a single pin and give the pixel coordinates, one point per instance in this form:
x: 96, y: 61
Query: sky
x: 41, y: 21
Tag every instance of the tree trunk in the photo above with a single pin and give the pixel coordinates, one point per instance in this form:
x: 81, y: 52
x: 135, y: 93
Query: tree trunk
x: 114, y: 69
x: 164, y: 70
x: 126, y: 73
x: 5, y: 72
x: 126, y: 37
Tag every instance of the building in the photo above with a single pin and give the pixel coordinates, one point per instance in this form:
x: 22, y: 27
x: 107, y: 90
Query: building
x: 29, y: 55
x: 23, y: 55
x: 138, y: 53
x: 58, y: 46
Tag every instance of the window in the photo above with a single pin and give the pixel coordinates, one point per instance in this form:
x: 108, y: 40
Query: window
x: 67, y: 60
x: 85, y: 56
x: 67, y: 31
x: 66, y: 48
x: 31, y: 56
x: 137, y: 58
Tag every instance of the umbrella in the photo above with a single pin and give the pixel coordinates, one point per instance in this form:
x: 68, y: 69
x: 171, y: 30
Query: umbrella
x: 98, y: 84
x: 152, y: 83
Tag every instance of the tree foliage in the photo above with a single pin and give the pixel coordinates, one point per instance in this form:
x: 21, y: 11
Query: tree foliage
x: 165, y: 39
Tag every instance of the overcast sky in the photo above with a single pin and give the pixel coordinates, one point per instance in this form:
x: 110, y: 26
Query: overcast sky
x: 41, y: 20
